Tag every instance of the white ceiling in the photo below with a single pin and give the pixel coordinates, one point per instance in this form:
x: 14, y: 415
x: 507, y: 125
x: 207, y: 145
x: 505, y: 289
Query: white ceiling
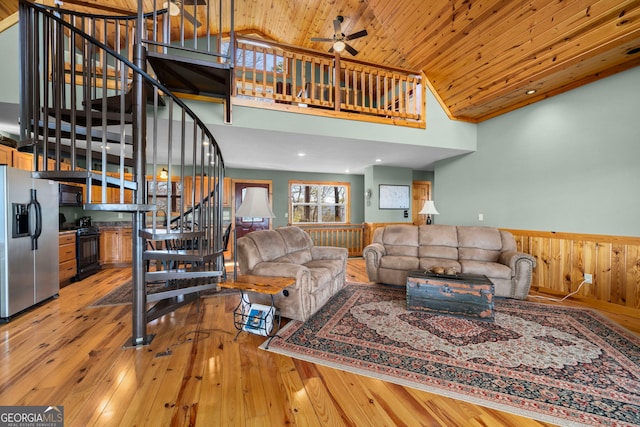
x: 260, y: 149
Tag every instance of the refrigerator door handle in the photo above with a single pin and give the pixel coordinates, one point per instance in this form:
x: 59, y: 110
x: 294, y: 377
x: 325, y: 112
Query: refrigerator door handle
x: 38, y: 209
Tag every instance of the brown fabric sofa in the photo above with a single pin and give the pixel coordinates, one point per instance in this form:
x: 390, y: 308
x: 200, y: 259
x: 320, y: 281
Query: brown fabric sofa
x: 289, y: 252
x: 397, y: 249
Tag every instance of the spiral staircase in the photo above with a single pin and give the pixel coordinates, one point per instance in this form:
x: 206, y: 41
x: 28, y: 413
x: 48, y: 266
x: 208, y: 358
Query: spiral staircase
x: 93, y: 113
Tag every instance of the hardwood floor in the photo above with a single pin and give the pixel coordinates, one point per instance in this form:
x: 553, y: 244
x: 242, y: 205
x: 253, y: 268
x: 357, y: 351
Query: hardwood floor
x: 194, y: 373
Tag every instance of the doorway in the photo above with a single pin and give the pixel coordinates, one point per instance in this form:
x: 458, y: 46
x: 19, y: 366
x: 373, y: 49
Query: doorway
x: 247, y: 225
x: 421, y: 193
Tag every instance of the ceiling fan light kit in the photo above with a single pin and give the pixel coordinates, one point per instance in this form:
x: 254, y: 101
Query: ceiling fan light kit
x: 339, y: 46
x: 174, y: 10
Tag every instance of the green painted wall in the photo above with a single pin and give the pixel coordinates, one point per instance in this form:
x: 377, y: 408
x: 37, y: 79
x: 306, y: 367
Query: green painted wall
x: 568, y: 163
x: 376, y: 175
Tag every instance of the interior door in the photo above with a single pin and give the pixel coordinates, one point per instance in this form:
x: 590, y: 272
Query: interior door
x: 247, y: 225
x: 421, y: 193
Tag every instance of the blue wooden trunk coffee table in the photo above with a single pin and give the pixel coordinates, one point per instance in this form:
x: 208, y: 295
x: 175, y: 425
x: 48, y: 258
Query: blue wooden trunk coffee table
x: 465, y: 295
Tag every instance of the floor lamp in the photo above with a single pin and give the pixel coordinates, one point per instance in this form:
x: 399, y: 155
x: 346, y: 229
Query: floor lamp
x: 429, y: 209
x: 255, y: 204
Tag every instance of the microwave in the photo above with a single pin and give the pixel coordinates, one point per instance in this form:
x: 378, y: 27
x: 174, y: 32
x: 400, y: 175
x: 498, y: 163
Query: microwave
x: 70, y: 195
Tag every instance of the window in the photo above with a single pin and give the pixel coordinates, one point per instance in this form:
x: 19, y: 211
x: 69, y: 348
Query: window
x: 256, y: 57
x: 319, y: 202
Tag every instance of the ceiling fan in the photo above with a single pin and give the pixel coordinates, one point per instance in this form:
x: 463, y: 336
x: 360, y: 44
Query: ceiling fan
x: 339, y: 39
x: 176, y: 6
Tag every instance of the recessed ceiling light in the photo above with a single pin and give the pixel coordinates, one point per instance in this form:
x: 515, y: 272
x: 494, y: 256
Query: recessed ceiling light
x: 301, y: 154
x: 530, y: 92
x: 378, y: 160
x: 346, y: 171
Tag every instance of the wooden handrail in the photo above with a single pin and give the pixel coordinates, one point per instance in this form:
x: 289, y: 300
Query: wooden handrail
x: 349, y: 236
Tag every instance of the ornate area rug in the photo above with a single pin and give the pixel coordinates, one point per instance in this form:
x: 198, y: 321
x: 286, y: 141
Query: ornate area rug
x: 554, y: 364
x: 122, y: 294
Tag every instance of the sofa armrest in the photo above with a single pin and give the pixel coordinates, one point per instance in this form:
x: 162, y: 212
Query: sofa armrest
x: 522, y: 266
x: 329, y: 252
x: 372, y: 255
x: 511, y: 258
x: 375, y: 251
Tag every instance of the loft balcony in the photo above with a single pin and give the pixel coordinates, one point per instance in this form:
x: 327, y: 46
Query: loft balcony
x: 275, y: 76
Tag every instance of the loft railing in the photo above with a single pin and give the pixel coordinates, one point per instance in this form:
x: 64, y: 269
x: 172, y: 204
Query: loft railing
x: 348, y: 236
x: 283, y: 75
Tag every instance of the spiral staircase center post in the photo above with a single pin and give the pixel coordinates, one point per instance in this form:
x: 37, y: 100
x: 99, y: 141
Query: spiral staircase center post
x: 139, y: 303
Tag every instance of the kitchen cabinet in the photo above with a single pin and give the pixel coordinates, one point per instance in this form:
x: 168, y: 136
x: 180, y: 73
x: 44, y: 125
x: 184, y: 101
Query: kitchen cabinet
x: 196, y: 186
x: 113, y: 193
x: 115, y: 245
x: 6, y: 155
x: 22, y: 160
x: 67, y: 257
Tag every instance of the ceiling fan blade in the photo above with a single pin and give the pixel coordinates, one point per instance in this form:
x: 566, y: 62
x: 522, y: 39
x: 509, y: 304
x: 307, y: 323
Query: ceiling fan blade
x: 192, y: 2
x: 320, y: 39
x: 351, y: 50
x: 331, y: 50
x: 356, y: 35
x: 337, y: 27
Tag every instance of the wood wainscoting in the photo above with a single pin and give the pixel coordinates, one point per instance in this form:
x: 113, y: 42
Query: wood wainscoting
x: 564, y: 258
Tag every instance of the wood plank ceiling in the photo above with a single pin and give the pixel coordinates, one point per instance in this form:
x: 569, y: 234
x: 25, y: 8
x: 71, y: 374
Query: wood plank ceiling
x: 480, y: 57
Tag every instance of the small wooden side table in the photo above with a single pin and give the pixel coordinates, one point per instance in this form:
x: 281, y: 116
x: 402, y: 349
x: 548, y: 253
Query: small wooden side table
x: 263, y: 285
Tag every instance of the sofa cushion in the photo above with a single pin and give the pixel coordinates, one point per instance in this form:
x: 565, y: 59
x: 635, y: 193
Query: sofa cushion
x: 438, y: 235
x: 295, y: 239
x: 438, y: 241
x: 400, y: 240
x: 427, y: 263
x: 489, y: 269
x: 443, y: 252
x: 399, y: 262
x: 300, y: 257
x: 333, y: 266
x: 474, y: 254
x: 320, y: 277
x: 269, y: 243
x: 479, y: 243
x: 480, y: 238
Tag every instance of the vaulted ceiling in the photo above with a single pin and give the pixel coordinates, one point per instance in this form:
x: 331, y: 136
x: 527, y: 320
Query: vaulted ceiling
x: 480, y: 57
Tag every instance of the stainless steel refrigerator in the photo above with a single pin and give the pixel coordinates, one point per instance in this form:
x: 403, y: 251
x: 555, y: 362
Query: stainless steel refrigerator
x: 29, y: 264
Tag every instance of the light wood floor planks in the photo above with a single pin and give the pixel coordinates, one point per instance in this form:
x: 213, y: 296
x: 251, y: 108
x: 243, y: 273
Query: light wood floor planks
x: 194, y: 373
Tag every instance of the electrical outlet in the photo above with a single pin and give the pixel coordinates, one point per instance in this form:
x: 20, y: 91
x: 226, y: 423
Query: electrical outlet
x: 588, y: 278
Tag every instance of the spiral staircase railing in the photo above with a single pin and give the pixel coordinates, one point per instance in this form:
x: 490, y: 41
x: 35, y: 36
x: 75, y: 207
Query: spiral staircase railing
x: 93, y: 115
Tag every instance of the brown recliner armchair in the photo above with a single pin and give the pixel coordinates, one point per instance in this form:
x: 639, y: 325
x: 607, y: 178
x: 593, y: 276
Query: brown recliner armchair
x: 289, y: 252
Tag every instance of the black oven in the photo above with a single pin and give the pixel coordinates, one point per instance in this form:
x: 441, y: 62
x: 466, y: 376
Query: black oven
x: 87, y: 251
